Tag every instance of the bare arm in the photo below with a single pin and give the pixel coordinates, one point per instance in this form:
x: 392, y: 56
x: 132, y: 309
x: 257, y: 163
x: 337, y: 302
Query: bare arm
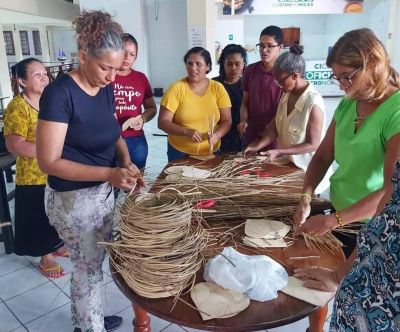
x: 225, y: 122
x: 150, y: 109
x: 167, y: 124
x: 325, y: 279
x: 316, y: 171
x: 224, y: 125
x: 268, y: 136
x: 19, y: 146
x: 365, y: 207
x: 122, y: 152
x: 50, y: 138
x: 313, y: 135
x: 321, y: 161
x: 244, y: 113
x: 368, y: 206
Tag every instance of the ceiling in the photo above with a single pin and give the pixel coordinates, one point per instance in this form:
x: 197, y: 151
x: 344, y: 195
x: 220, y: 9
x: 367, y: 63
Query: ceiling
x: 8, y: 17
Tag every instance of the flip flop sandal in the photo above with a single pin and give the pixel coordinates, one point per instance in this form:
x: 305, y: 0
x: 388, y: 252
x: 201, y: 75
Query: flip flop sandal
x: 57, y: 268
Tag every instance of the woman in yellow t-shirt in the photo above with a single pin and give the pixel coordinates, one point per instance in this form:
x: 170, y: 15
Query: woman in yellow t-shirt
x: 195, y: 112
x: 33, y: 234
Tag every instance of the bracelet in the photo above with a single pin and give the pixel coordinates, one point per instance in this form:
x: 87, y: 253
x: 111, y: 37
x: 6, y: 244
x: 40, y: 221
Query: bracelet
x: 305, y: 195
x: 339, y: 219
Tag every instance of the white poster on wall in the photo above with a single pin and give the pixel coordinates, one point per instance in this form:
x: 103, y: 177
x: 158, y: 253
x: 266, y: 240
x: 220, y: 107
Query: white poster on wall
x: 283, y: 7
x: 318, y: 74
x: 196, y: 37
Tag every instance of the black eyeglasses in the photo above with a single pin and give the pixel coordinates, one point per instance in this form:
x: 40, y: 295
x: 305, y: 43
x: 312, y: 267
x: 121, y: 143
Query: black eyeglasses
x: 344, y: 79
x: 269, y: 47
x: 282, y: 81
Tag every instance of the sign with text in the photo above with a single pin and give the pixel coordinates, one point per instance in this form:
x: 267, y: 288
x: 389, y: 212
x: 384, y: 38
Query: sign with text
x: 196, y: 37
x: 318, y: 74
x: 283, y: 7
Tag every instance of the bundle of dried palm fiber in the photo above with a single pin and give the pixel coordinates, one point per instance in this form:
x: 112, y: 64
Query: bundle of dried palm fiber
x: 159, y: 248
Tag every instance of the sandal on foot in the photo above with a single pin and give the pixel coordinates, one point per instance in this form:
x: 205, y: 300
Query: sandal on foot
x: 56, y: 268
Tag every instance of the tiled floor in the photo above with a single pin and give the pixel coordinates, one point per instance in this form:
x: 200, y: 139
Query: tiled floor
x: 29, y: 301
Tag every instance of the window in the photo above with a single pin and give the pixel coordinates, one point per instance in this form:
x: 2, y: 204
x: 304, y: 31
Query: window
x: 23, y: 35
x: 9, y: 41
x: 36, y: 42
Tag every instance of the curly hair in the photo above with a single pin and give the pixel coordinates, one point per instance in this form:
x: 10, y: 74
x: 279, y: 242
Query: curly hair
x: 228, y: 50
x: 362, y: 49
x: 96, y: 33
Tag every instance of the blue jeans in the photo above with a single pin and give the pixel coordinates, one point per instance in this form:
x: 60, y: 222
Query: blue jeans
x: 174, y: 153
x: 138, y: 150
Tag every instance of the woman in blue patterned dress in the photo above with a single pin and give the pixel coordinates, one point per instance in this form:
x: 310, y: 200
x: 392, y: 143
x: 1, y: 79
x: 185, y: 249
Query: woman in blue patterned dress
x: 368, y: 298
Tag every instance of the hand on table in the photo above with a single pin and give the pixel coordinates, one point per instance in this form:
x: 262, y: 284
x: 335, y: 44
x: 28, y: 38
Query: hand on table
x: 271, y: 154
x: 251, y: 148
x: 318, y: 225
x: 318, y: 278
x: 303, y: 210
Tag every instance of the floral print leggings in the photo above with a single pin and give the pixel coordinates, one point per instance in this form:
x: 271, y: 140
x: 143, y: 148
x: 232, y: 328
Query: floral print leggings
x: 83, y: 218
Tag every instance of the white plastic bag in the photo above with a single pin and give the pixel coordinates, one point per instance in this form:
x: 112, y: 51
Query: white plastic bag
x: 260, y: 277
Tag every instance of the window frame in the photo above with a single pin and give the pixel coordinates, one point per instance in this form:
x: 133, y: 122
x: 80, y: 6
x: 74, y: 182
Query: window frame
x: 9, y: 43
x: 24, y: 39
x: 37, y: 44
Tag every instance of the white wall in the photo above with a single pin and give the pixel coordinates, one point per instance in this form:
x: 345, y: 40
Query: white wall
x: 55, y: 9
x: 317, y: 32
x: 167, y: 40
x: 394, y: 30
x: 130, y: 14
x: 311, y: 32
x: 62, y: 38
x: 13, y: 58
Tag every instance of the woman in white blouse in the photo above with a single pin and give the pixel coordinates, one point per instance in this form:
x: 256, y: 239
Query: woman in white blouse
x: 299, y: 124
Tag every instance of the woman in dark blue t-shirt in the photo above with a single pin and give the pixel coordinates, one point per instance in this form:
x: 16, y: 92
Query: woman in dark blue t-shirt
x: 78, y: 140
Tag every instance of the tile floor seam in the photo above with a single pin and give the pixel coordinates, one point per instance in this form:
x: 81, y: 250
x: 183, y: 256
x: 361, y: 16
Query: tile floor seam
x: 129, y: 306
x: 16, y: 317
x: 61, y: 289
x: 23, y: 267
x: 45, y: 314
x: 13, y: 297
x: 23, y: 326
x: 166, y: 327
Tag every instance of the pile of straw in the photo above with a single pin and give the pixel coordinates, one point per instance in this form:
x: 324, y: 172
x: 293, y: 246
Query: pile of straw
x: 159, y: 248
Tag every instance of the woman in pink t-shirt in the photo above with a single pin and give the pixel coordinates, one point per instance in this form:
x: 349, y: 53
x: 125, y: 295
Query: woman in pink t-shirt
x: 132, y: 90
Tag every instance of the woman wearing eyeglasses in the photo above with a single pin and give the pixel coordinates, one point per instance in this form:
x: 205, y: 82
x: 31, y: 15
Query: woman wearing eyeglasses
x: 364, y: 139
x: 260, y: 94
x: 300, y: 120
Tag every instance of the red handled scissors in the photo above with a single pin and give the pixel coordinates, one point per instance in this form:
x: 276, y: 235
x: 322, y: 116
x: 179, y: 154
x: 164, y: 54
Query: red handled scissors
x: 205, y: 204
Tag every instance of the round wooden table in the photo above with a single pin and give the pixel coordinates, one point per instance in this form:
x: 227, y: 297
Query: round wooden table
x: 259, y: 315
